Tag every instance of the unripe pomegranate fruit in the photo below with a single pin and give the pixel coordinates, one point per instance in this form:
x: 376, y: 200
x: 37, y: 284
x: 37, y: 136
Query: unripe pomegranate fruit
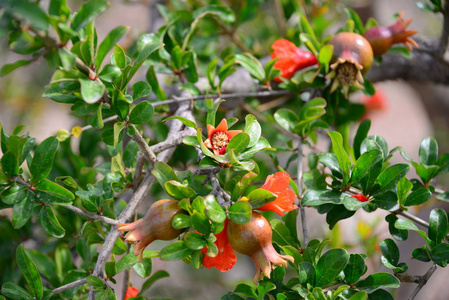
x: 155, y: 225
x: 254, y: 239
x: 351, y: 59
x: 382, y: 38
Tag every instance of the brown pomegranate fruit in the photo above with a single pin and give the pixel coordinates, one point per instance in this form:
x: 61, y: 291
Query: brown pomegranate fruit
x: 155, y: 225
x: 351, y: 59
x: 254, y: 239
x: 382, y: 38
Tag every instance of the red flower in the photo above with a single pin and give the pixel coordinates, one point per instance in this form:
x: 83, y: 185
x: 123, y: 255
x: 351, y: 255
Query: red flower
x: 291, y: 58
x: 218, y: 138
x: 278, y: 185
x: 226, y: 258
x: 376, y: 102
x: 131, y: 292
x: 360, y: 197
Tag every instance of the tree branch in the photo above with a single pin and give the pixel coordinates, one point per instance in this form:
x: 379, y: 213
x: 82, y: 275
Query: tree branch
x: 422, y: 282
x: 69, y: 286
x: 412, y: 217
x: 144, y: 148
x: 300, y: 189
x: 90, y: 215
x: 444, y: 38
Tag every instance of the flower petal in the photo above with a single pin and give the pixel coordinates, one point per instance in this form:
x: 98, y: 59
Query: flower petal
x: 223, y: 126
x: 232, y: 133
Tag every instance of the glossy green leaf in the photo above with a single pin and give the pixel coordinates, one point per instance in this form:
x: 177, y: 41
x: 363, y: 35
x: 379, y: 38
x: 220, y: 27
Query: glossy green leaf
x: 14, y: 194
x: 240, y: 212
x: 306, y: 273
x: 95, y: 282
x: 440, y: 254
x: 438, y: 225
x: 30, y: 272
x: 375, y: 142
x: 108, y: 43
x: 245, y: 290
x: 330, y: 265
x: 378, y: 280
x: 91, y: 90
x: 355, y: 268
x: 362, y: 133
x: 50, y: 223
x: 212, y: 72
x: 281, y: 234
x: 315, y: 198
x: 13, y: 291
x: 118, y: 128
x: 422, y: 254
x: 418, y: 197
x: 178, y: 191
x: 286, y: 118
x: 52, y: 193
x: 253, y: 129
x: 406, y: 224
x: 213, y: 210
x: 184, y: 121
x: 144, y: 268
x: 389, y: 177
x: 428, y: 151
x: 194, y: 241
x: 153, y: 81
x: 238, y: 143
x: 28, y: 12
x: 342, y: 156
x: 109, y: 73
x: 362, y: 295
x: 387, y: 201
x: 141, y: 89
x: 142, y: 113
x: 325, y: 55
x: 330, y: 160
x: 163, y: 173
x: 390, y: 251
x: 358, y: 25
x: 200, y: 223
x: 22, y: 211
x: 262, y: 144
x: 364, y: 164
x: 181, y: 221
x: 8, y: 68
x: 42, y: 162
x: 156, y: 276
x: 337, y: 213
x: 399, y: 235
x: 143, y: 55
x: 87, y: 13
x: 175, y: 251
x: 252, y: 64
x: 403, y: 188
x: 259, y: 197
x: 129, y: 260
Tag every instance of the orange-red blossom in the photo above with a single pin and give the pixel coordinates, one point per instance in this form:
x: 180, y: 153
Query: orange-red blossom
x: 218, y: 138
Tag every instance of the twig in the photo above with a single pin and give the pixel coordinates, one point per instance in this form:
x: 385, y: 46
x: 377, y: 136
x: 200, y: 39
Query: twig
x: 300, y: 190
x: 221, y: 195
x: 412, y: 217
x: 140, y: 162
x: 91, y: 215
x: 423, y: 281
x: 69, y: 286
x: 144, y: 148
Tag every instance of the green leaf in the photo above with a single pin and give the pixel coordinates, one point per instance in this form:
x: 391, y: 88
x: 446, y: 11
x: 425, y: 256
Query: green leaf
x: 22, y: 211
x: 164, y: 173
x: 362, y: 295
x: 42, y: 162
x: 315, y: 198
x: 184, y: 121
x: 30, y: 272
x: 403, y: 188
x: 14, y: 194
x: 281, y: 234
x: 153, y: 81
x: 253, y: 129
x: 144, y: 268
x: 181, y: 221
x: 213, y: 210
x: 95, y: 282
x: 194, y: 241
x: 13, y: 291
x: 175, y: 251
x: 240, y: 212
x: 378, y: 280
x: 399, y: 235
x: 10, y: 164
x: 52, y: 193
x: 389, y: 177
x: 50, y: 223
x: 141, y: 89
x: 28, y: 12
x: 156, y: 276
x: 418, y: 197
x: 428, y: 151
x: 362, y: 133
x: 8, y: 68
x: 259, y: 197
x: 87, y: 13
x: 252, y: 64
x: 129, y: 260
x: 178, y: 191
x: 375, y: 142
x: 238, y: 143
x: 355, y: 268
x: 325, y: 55
x: 286, y: 118
x: 387, y: 201
x: 406, y: 224
x: 342, y: 156
x: 118, y: 127
x: 142, y: 113
x: 422, y: 254
x: 440, y: 254
x: 438, y: 225
x: 245, y: 290
x: 364, y: 164
x: 306, y: 273
x: 200, y: 223
x: 390, y: 251
x: 143, y: 55
x: 330, y: 265
x: 359, y: 28
x: 91, y: 90
x: 110, y: 73
x: 108, y: 43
